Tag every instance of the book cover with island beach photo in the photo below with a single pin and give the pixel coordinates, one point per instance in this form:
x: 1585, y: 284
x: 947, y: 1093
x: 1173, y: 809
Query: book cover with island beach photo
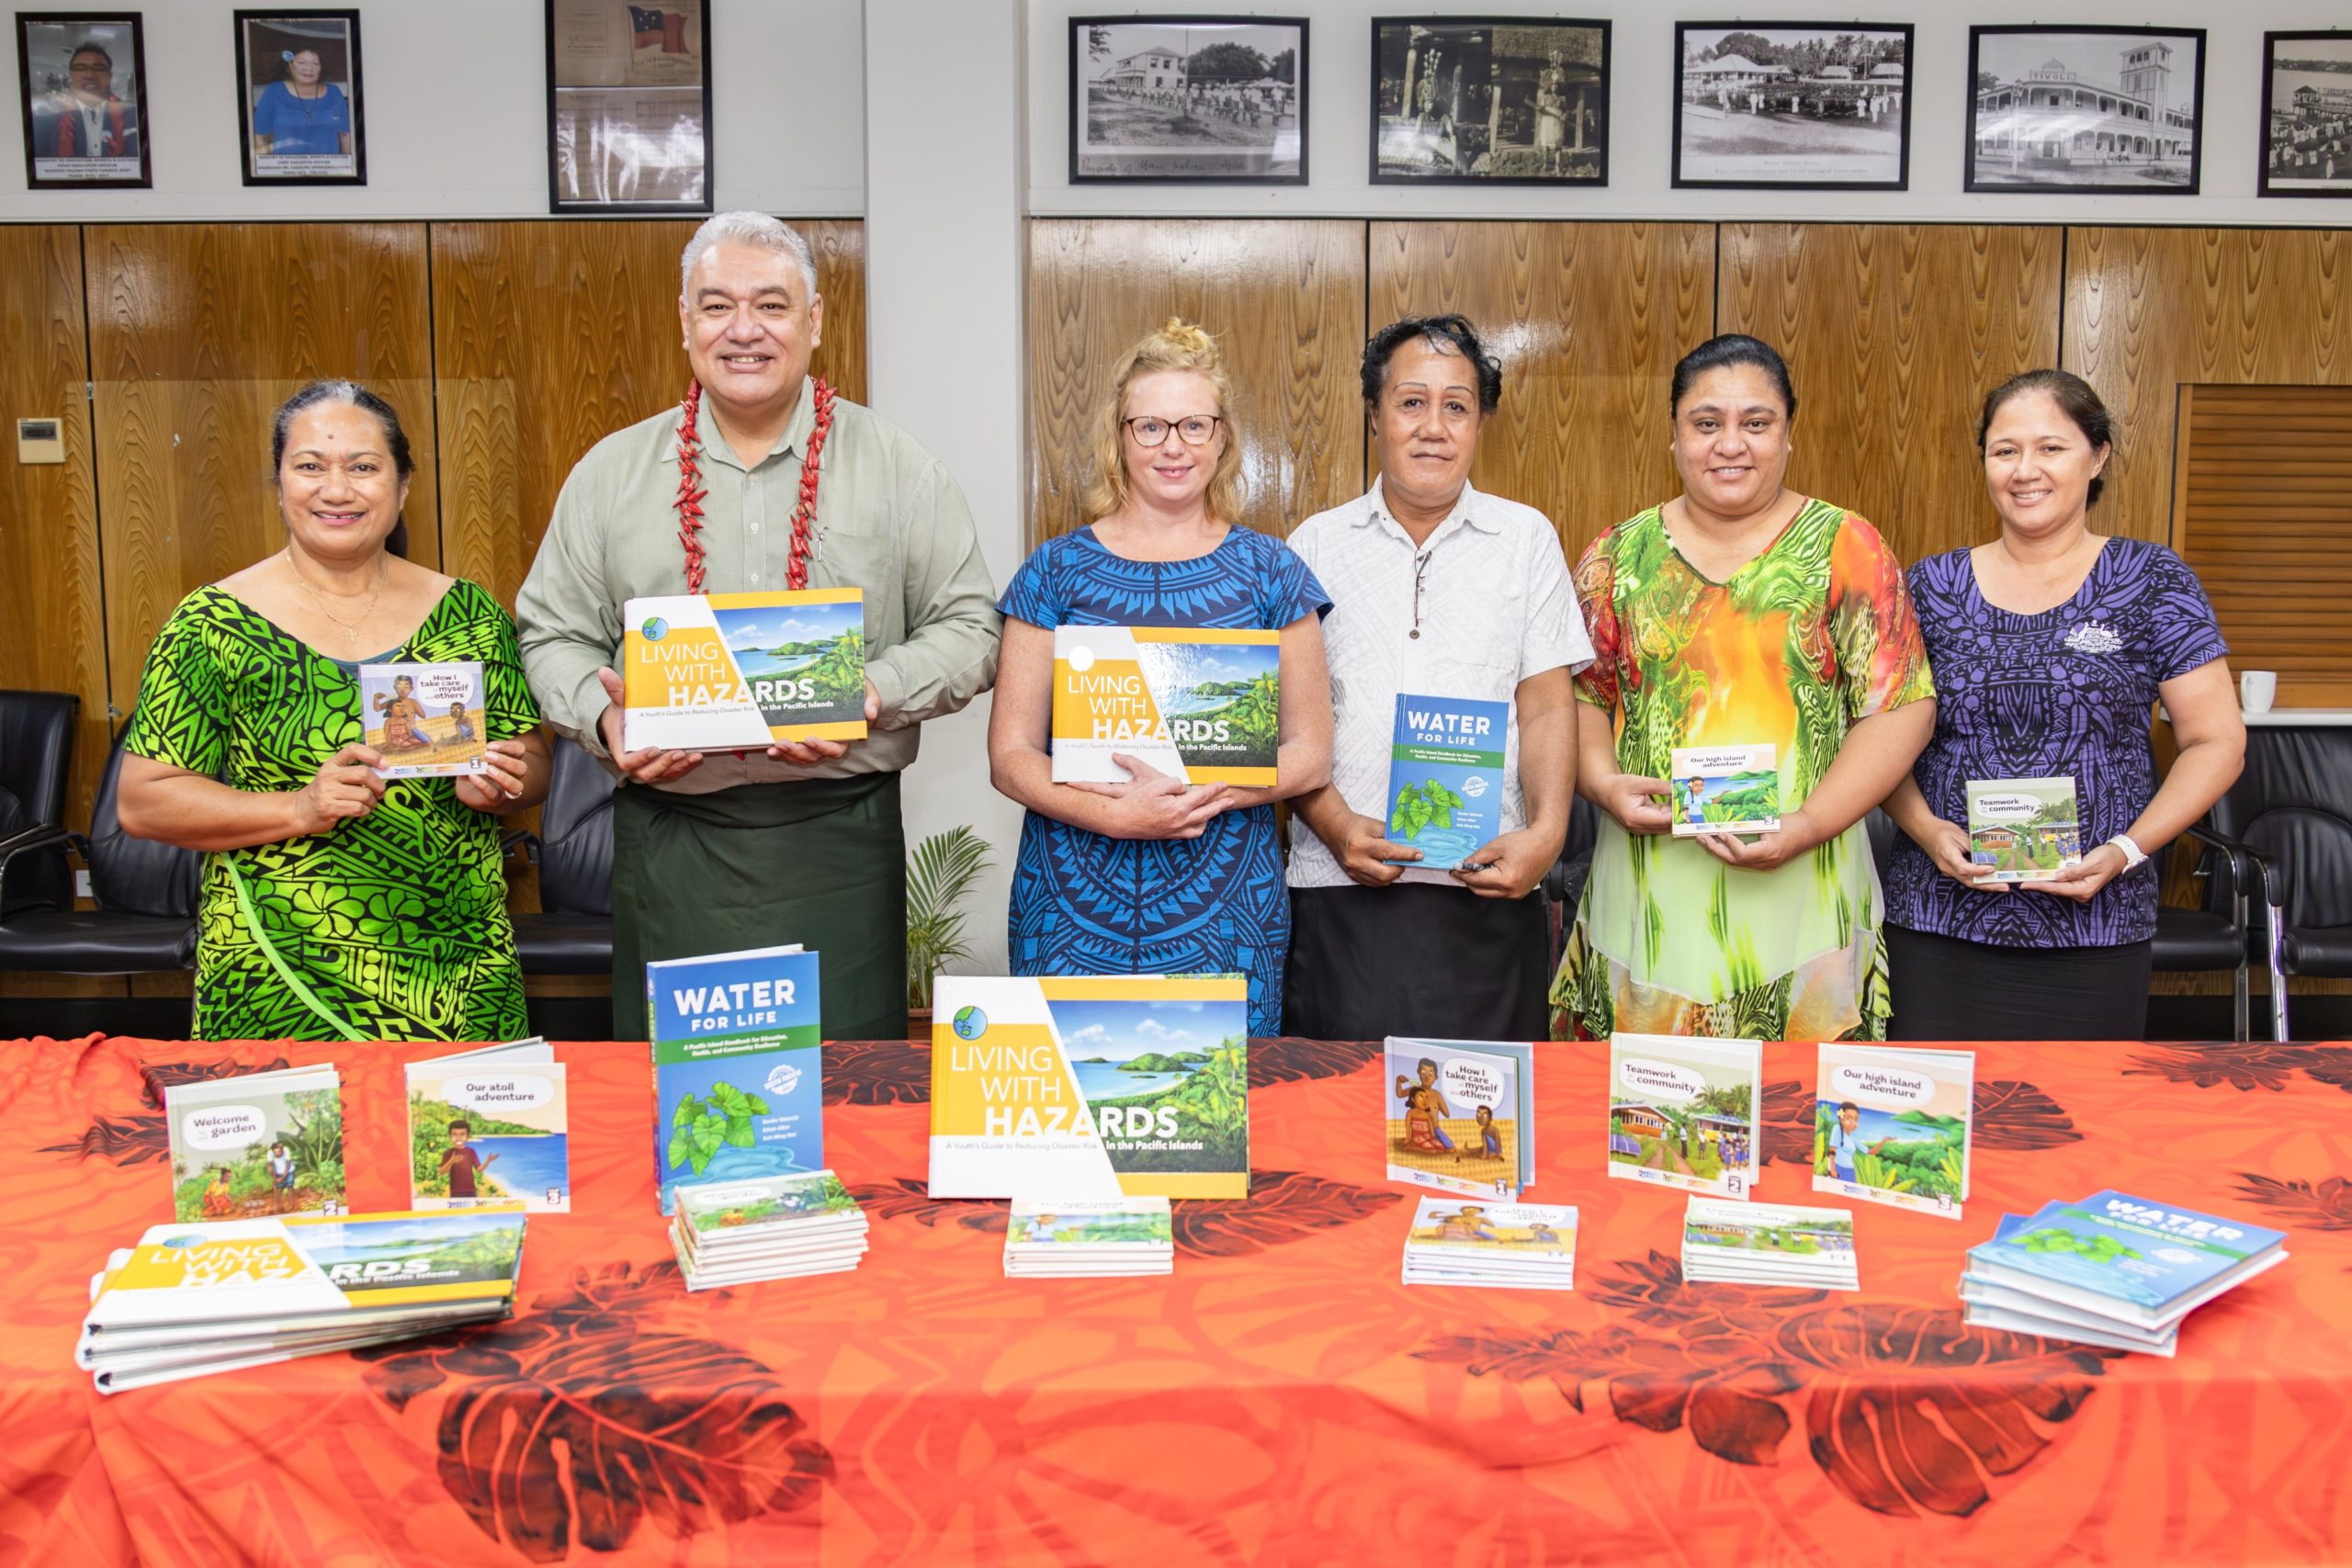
x: 1204, y: 705
x: 1725, y: 789
x: 502, y: 1106
x: 1892, y: 1126
x: 718, y: 672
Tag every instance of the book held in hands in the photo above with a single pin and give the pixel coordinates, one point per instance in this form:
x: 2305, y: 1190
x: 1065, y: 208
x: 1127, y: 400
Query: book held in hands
x: 1725, y: 789
x: 1893, y: 1125
x: 426, y: 720
x: 1446, y: 777
x: 2023, y: 829
x: 729, y: 671
x: 1197, y: 704
x: 1682, y: 1111
x: 257, y: 1144
x: 738, y: 1077
x: 502, y: 1106
x: 1461, y: 1114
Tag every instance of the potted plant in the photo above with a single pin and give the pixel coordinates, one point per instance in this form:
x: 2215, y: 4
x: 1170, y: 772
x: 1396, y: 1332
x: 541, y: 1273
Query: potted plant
x: 940, y: 871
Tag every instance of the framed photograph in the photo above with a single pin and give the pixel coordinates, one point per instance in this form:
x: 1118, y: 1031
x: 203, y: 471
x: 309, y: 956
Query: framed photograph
x: 2090, y: 111
x: 1489, y: 100
x: 1188, y: 100
x: 628, y: 106
x: 84, y: 79
x: 298, y: 97
x: 2306, y: 114
x: 1793, y: 105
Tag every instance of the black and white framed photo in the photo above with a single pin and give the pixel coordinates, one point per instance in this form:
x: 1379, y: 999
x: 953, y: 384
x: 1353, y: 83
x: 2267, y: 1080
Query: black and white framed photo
x: 2091, y: 110
x: 1219, y: 100
x: 628, y: 106
x: 298, y: 97
x: 1489, y: 100
x: 2306, y: 114
x: 1793, y: 105
x: 82, y: 78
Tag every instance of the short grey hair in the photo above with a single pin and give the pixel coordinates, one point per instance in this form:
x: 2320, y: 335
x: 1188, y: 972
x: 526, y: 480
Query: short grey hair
x: 747, y: 229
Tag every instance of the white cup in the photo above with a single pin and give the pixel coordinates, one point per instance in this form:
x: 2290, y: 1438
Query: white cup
x: 2257, y: 689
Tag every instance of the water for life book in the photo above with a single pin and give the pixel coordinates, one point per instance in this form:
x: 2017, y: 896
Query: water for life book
x: 2140, y: 1262
x: 738, y: 1077
x: 256, y: 1145
x: 2026, y: 829
x: 1893, y: 1125
x: 1087, y: 1087
x: 1446, y: 777
x: 501, y: 1106
x: 1725, y: 789
x: 725, y: 671
x: 1682, y: 1111
x: 1198, y: 705
x: 426, y: 719
x: 1461, y: 1114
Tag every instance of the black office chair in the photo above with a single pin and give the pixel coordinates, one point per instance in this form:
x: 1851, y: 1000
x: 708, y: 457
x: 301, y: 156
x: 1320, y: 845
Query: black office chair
x: 36, y: 759
x: 572, y: 932
x: 2292, y: 808
x: 1563, y: 884
x: 146, y: 892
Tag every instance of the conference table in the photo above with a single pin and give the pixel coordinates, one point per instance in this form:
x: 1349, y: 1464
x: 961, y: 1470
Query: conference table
x: 1282, y: 1397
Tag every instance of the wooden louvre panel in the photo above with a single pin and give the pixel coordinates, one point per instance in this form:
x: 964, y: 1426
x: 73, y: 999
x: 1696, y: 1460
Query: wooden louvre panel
x: 2262, y: 512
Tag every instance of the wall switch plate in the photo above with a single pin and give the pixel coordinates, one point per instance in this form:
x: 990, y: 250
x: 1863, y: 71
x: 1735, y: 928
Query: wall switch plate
x: 80, y: 884
x: 40, y: 441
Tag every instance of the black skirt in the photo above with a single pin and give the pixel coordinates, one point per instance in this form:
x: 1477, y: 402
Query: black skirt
x: 1414, y: 958
x: 1943, y: 987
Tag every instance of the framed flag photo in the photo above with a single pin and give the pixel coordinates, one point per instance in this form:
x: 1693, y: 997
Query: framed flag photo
x: 628, y: 106
x: 81, y: 78
x: 298, y: 97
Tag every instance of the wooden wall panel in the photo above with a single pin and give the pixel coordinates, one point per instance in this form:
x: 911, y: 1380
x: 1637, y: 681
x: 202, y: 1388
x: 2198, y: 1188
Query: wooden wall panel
x: 1893, y: 335
x: 549, y: 336
x: 1285, y: 301
x: 1588, y: 320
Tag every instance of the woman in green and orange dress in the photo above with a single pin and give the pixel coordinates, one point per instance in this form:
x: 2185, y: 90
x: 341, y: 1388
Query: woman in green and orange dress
x: 1739, y: 614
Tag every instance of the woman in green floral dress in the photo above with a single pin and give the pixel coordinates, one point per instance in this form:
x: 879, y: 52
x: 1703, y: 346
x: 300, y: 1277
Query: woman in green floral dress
x: 1739, y: 614
x: 337, y: 905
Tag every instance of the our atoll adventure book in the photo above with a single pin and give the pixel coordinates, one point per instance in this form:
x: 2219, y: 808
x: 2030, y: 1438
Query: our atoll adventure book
x: 1199, y: 704
x: 256, y: 1145
x: 738, y: 1077
x: 2025, y: 829
x: 1079, y: 1087
x: 1682, y: 1111
x: 778, y: 1227
x: 1446, y: 777
x: 1725, y: 789
x: 1461, y: 1114
x: 1498, y: 1245
x: 502, y: 1107
x: 724, y: 671
x: 1768, y: 1244
x: 1891, y: 1126
x: 1068, y: 1238
x: 426, y: 719
x: 2132, y: 1261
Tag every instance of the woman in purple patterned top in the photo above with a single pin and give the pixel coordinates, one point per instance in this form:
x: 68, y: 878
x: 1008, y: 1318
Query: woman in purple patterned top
x: 2049, y: 644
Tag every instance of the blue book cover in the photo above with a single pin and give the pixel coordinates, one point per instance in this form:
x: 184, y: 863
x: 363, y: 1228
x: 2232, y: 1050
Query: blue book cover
x: 1446, y: 777
x: 2126, y: 1248
x: 738, y: 1078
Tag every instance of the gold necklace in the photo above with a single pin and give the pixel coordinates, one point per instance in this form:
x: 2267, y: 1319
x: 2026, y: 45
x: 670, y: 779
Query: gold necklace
x: 350, y: 628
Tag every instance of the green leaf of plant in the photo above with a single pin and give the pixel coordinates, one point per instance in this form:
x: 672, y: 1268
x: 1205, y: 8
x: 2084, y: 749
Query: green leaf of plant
x: 739, y: 1131
x: 688, y: 1109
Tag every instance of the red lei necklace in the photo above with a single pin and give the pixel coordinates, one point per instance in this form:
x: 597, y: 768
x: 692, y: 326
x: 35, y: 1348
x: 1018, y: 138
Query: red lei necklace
x: 691, y: 491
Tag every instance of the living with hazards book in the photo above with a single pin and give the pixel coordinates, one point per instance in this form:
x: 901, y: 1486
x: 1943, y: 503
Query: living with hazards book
x: 2023, y: 829
x: 1725, y: 789
x: 426, y: 719
x: 1503, y: 1246
x: 1198, y: 705
x: 256, y: 1145
x: 502, y: 1107
x: 1682, y: 1111
x: 1087, y: 1087
x: 724, y: 671
x: 738, y: 1077
x: 2129, y: 1263
x: 1892, y: 1124
x: 1446, y: 777
x: 1461, y: 1114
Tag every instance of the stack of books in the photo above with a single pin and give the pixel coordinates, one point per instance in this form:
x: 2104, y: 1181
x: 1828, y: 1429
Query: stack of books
x: 2112, y: 1270
x: 1768, y: 1244
x: 193, y: 1299
x: 775, y: 1227
x: 1097, y: 1237
x: 1507, y: 1245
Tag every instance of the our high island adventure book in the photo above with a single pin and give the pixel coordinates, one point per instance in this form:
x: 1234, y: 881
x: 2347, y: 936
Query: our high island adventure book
x: 722, y: 671
x: 738, y: 1077
x: 1200, y: 706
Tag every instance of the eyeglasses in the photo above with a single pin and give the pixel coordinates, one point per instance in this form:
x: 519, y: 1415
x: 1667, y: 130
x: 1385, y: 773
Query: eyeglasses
x: 1193, y: 430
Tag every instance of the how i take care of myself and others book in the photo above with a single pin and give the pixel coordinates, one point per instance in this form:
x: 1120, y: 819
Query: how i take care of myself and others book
x: 738, y: 1077
x: 1461, y: 1114
x: 1682, y: 1111
x: 490, y: 1126
x: 1497, y: 1246
x: 256, y: 1145
x: 1446, y: 777
x: 1198, y: 705
x: 1725, y: 789
x: 738, y: 671
x: 2024, y: 830
x: 426, y: 720
x: 1891, y: 1126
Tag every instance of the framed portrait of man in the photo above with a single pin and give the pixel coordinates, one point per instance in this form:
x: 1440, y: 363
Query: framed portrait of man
x: 298, y: 97
x: 82, y: 78
x: 628, y: 106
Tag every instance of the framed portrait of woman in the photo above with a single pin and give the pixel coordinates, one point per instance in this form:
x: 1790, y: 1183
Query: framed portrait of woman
x: 298, y: 109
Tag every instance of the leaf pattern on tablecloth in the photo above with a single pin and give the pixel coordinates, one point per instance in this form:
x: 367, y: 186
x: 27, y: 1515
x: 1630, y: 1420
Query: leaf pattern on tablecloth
x: 876, y: 1072
x: 2324, y: 1205
x: 142, y: 1138
x: 2010, y: 1113
x: 1283, y: 1206
x: 1290, y: 1059
x: 2248, y: 1067
x: 909, y: 1198
x: 1786, y: 1124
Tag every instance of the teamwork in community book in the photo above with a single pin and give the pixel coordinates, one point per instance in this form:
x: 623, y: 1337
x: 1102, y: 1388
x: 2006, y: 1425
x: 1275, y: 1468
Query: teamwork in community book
x: 1682, y: 1111
x: 257, y: 1144
x: 426, y: 719
x: 2024, y: 830
x: 1446, y: 777
x: 1091, y: 1087
x: 738, y: 1078
x: 1893, y: 1125
x: 2128, y: 1258
x: 1725, y: 789
x: 501, y: 1106
x: 1461, y: 1114
x: 712, y: 672
x: 1198, y: 705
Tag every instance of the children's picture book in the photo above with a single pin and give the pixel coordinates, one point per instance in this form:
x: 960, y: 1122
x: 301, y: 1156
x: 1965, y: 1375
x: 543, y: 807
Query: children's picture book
x: 426, y: 719
x: 1725, y: 789
x: 1091, y: 1087
x: 1768, y: 1244
x: 256, y: 1145
x: 1525, y: 1246
x: 2025, y: 829
x: 738, y: 1077
x: 1070, y: 1239
x: 1199, y: 704
x: 1891, y: 1126
x: 740, y: 1232
x: 2134, y: 1260
x: 1682, y: 1111
x: 727, y: 671
x: 501, y: 1106
x: 1446, y: 777
x: 1461, y: 1114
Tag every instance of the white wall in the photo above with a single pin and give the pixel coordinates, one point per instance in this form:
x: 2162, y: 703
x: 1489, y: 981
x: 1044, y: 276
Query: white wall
x: 454, y: 93
x: 1641, y: 120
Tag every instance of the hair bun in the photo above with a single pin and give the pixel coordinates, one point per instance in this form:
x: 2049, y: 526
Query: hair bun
x: 1186, y: 336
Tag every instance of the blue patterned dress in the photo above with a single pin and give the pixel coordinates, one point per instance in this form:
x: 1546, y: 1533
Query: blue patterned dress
x: 1084, y: 904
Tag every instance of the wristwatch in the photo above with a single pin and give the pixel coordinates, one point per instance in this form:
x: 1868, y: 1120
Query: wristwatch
x: 2134, y: 856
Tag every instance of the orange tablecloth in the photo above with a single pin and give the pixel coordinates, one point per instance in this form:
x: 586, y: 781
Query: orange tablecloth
x: 1282, y: 1398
